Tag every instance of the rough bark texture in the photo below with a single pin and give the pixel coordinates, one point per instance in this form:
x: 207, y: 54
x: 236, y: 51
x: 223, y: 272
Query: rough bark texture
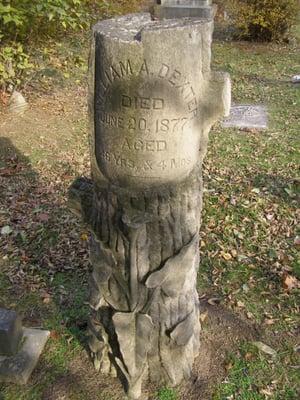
x: 151, y: 110
x: 145, y: 255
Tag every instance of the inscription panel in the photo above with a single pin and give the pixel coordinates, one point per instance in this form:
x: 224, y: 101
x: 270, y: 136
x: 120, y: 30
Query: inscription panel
x: 145, y: 123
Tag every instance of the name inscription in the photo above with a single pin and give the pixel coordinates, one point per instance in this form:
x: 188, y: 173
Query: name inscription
x: 127, y: 69
x: 145, y: 126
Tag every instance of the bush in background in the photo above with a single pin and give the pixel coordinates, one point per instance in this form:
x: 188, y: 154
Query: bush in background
x: 27, y: 24
x: 262, y: 20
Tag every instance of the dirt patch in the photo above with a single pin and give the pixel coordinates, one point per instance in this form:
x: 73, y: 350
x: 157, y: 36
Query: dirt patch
x: 82, y: 381
x: 222, y: 334
x: 48, y: 130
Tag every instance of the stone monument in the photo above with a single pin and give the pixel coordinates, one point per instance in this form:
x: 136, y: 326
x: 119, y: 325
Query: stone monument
x: 185, y: 8
x: 153, y: 99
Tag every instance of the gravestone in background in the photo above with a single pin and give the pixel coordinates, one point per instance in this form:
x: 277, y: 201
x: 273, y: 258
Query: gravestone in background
x: 153, y: 99
x: 185, y: 8
x: 247, y: 116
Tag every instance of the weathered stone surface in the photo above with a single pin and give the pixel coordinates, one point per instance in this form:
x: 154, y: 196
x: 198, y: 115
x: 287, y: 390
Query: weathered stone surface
x: 247, y: 117
x: 11, y: 332
x: 17, y: 103
x: 153, y: 99
x: 18, y: 368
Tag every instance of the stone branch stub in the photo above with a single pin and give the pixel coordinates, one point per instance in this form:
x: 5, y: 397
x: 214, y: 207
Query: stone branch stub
x: 153, y: 99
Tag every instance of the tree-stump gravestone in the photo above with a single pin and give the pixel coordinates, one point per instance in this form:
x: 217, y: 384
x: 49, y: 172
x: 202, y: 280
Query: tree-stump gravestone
x: 153, y: 99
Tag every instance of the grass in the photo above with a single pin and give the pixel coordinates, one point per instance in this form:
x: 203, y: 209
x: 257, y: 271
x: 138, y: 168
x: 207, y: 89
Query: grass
x: 250, y: 219
x: 167, y: 394
x: 251, y: 377
x: 247, y: 238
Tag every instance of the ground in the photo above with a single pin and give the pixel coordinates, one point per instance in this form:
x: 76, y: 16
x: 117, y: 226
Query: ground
x: 249, y: 245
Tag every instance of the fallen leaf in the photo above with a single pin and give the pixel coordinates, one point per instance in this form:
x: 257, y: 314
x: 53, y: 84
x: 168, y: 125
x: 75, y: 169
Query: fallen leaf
x: 44, y: 217
x: 269, y: 321
x: 245, y: 288
x: 297, y: 348
x: 250, y: 130
x: 46, y: 297
x: 84, y: 237
x: 297, y: 241
x: 289, y: 192
x: 226, y: 256
x: 6, y: 230
x: 240, y: 304
x: 214, y: 301
x: 266, y: 392
x: 265, y: 348
x: 234, y: 253
x: 7, y: 171
x: 238, y: 234
x: 233, y: 201
x: 229, y: 366
x: 203, y: 316
x: 54, y: 335
x: 249, y: 356
x: 290, y: 282
x: 69, y: 340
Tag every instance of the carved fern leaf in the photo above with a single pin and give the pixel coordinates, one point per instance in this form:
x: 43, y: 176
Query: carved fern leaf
x: 134, y: 336
x: 175, y: 273
x: 183, y: 332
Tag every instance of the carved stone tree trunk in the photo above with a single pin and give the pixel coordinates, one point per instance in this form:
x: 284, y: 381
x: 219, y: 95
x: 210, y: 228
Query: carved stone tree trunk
x: 153, y: 100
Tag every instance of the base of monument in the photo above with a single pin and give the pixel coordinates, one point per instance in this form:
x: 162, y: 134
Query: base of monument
x: 18, y: 369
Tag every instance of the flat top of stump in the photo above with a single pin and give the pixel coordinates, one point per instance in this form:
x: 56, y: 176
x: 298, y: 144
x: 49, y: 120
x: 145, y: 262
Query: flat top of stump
x: 130, y: 27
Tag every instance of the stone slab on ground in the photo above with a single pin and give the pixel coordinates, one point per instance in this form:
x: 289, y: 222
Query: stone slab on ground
x: 18, y: 369
x: 247, y: 116
x: 11, y: 332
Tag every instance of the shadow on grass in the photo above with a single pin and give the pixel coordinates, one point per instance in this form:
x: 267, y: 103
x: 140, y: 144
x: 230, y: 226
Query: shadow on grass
x: 277, y: 185
x: 43, y: 264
